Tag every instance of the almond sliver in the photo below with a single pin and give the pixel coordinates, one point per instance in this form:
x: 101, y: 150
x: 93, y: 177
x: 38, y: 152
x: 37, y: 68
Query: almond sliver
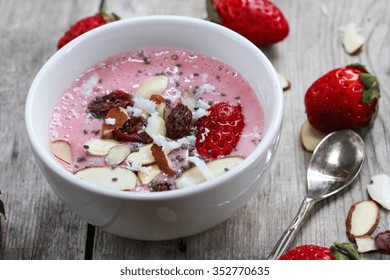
x: 162, y: 160
x: 62, y: 150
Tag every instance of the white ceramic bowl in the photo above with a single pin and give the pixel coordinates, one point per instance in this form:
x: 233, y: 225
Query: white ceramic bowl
x: 161, y: 215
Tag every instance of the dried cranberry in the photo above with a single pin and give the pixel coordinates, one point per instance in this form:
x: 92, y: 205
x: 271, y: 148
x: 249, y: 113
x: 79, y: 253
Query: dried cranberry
x: 102, y: 104
x: 161, y: 187
x: 133, y: 130
x: 179, y: 122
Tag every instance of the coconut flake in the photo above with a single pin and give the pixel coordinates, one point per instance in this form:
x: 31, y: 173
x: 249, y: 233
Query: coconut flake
x: 145, y: 105
x: 88, y: 85
x: 136, y: 112
x: 202, y: 167
x: 169, y: 145
x: 206, y: 88
x: 202, y: 104
x: 199, y: 113
x: 136, y: 166
x: 110, y: 121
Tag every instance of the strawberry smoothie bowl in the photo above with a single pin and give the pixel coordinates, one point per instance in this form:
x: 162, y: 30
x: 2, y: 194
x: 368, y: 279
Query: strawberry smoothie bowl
x: 155, y: 127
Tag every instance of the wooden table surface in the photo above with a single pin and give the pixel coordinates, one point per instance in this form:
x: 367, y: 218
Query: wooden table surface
x: 40, y: 226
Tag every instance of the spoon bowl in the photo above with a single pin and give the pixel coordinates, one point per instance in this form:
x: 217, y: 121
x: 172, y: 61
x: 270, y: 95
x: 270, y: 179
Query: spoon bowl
x: 334, y: 165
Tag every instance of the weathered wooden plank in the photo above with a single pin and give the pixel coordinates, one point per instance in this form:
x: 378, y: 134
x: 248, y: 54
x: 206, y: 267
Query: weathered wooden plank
x: 38, y: 225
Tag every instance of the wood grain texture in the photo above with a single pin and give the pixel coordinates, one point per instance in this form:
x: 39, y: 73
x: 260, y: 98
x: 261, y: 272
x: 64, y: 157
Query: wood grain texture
x: 40, y: 226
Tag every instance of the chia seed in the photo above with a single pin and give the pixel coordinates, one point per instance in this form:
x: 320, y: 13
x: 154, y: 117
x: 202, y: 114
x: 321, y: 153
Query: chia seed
x: 81, y: 159
x: 85, y: 131
x: 114, y: 179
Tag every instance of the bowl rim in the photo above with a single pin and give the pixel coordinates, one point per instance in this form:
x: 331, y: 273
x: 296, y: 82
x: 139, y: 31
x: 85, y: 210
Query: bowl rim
x: 55, y: 167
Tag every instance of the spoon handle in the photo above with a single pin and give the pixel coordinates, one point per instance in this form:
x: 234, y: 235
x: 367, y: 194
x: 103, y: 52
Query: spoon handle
x: 289, y: 234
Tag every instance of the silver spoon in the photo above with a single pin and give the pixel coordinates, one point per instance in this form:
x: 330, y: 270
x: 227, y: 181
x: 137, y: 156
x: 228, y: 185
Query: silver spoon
x: 335, y: 163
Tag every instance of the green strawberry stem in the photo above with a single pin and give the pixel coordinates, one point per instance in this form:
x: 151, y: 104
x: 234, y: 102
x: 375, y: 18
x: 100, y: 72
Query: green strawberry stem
x: 344, y: 251
x: 212, y: 13
x: 371, y: 87
x: 102, y: 6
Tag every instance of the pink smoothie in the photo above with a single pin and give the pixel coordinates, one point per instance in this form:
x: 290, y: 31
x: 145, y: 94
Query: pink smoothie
x: 204, y: 77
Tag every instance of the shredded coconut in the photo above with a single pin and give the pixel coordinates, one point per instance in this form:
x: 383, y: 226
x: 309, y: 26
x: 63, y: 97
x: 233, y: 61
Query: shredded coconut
x: 204, y: 135
x: 169, y: 145
x: 199, y: 113
x: 202, y: 104
x: 110, y: 121
x: 136, y: 112
x: 204, y: 76
x: 202, y: 167
x: 87, y: 86
x: 206, y: 88
x: 145, y: 105
x: 136, y: 166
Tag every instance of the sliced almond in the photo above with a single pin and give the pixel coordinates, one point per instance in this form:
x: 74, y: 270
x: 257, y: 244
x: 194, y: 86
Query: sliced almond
x: 117, y: 154
x: 162, y: 160
x: 365, y: 243
x: 363, y: 218
x: 379, y: 190
x: 155, y: 126
x: 146, y: 177
x: 112, y: 178
x: 153, y: 85
x: 143, y: 156
x: 310, y: 137
x: 286, y: 84
x: 62, y: 150
x: 99, y: 147
x: 352, y: 40
x: 114, y: 119
x: 161, y: 103
x: 218, y: 167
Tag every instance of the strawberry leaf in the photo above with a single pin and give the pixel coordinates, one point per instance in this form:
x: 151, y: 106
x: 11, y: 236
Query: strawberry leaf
x: 358, y: 66
x: 344, y: 251
x: 371, y: 87
x: 212, y: 13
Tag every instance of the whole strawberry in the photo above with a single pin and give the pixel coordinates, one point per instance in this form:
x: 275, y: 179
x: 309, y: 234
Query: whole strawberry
x: 84, y: 25
x: 344, y: 98
x: 308, y: 252
x: 219, y: 131
x: 260, y: 21
x: 338, y: 251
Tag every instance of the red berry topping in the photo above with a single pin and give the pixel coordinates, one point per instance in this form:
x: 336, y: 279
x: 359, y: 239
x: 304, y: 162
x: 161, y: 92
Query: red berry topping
x: 219, y: 131
x: 84, y: 25
x: 179, y: 122
x: 344, y: 98
x: 260, y: 21
x: 102, y: 104
x: 133, y: 130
